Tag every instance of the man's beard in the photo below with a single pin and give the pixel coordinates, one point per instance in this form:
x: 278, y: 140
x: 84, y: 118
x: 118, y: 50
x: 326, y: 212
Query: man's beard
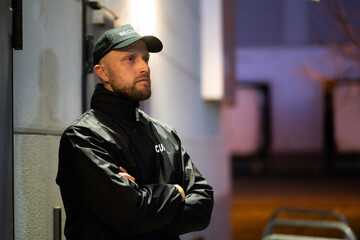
x: 132, y: 92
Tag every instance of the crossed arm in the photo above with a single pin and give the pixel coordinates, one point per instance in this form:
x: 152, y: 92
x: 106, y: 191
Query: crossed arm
x: 123, y: 205
x: 125, y: 174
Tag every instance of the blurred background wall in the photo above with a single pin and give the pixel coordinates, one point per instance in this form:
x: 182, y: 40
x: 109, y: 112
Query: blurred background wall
x: 292, y: 60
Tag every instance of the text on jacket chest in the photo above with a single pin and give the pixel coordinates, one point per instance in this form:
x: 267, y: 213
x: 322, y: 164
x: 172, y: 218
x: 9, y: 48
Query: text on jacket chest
x: 159, y: 148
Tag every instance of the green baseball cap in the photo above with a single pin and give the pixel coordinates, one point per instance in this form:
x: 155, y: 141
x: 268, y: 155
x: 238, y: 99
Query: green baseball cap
x: 121, y: 37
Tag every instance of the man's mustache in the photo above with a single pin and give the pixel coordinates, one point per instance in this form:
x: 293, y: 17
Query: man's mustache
x: 146, y: 76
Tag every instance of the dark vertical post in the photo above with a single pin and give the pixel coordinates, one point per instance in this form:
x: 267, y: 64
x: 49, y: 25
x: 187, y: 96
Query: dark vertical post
x: 6, y: 120
x: 57, y: 223
x: 84, y: 58
x: 17, y: 33
x: 328, y: 116
x: 228, y: 12
x: 266, y: 119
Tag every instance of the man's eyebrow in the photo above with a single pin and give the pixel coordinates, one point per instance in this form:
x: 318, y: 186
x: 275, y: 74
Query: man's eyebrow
x: 129, y: 55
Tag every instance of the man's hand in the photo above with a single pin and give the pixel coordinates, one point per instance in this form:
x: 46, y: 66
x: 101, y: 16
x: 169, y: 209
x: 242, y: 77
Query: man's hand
x: 124, y: 173
x: 181, y: 190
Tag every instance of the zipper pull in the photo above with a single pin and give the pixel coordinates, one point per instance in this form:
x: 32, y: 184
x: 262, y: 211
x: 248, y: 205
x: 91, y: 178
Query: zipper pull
x: 137, y: 114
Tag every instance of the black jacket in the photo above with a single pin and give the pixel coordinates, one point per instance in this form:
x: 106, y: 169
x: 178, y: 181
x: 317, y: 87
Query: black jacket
x: 101, y: 204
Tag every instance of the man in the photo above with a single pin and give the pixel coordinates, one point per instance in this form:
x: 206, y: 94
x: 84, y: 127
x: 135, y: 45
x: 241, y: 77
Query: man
x: 123, y: 174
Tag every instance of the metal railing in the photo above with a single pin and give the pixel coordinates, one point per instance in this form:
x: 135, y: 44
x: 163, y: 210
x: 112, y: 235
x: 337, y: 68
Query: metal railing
x: 340, y: 224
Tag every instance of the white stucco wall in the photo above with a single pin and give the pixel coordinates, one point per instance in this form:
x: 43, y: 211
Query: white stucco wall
x: 47, y: 97
x: 47, y: 72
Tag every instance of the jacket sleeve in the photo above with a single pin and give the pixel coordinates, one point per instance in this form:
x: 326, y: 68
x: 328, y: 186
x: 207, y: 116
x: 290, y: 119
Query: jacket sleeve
x: 87, y: 172
x: 196, y: 212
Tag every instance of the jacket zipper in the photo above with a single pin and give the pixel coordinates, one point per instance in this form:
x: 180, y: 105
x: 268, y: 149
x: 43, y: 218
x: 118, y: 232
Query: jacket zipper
x: 137, y: 114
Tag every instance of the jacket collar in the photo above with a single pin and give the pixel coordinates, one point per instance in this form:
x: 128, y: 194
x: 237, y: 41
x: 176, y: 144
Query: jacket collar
x: 113, y: 104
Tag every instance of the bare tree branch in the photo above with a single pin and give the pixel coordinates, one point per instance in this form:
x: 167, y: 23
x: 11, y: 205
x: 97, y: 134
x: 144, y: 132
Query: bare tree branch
x: 338, y: 12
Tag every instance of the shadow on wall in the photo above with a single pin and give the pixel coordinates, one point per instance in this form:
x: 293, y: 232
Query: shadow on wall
x: 36, y: 159
x: 49, y: 90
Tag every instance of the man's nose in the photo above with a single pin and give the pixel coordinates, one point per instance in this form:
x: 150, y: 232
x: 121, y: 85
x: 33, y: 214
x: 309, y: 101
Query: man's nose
x: 144, y: 66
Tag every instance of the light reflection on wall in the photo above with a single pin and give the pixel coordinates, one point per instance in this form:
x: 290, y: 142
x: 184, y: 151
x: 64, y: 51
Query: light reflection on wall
x: 143, y: 16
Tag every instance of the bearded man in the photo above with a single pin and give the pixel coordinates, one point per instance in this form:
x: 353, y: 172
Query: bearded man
x: 122, y: 174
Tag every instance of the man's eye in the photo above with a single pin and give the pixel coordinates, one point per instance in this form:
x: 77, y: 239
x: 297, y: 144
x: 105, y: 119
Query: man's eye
x: 130, y: 59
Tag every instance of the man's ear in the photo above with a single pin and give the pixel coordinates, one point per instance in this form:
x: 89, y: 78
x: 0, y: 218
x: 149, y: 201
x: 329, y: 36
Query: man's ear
x: 98, y: 69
